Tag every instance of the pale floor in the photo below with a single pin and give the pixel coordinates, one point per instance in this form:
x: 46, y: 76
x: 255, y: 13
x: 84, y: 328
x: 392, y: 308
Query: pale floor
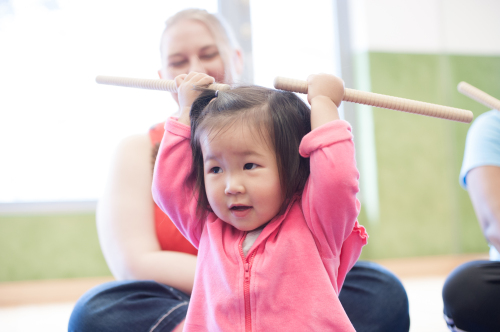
x: 426, y: 305
x: 423, y: 279
x: 40, y: 317
x: 424, y: 295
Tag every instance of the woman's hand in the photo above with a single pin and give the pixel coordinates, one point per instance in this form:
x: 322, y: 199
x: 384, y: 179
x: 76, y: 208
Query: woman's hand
x: 187, y: 93
x: 325, y: 94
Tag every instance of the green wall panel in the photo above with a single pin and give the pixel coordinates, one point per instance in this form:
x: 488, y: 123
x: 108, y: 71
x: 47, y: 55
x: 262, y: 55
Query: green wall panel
x: 423, y: 210
x: 49, y: 246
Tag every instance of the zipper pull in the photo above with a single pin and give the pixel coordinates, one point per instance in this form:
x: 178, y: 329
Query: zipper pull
x: 247, y: 271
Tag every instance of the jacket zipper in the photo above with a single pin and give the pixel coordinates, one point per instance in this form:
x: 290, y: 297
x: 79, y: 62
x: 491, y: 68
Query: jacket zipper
x: 247, y: 264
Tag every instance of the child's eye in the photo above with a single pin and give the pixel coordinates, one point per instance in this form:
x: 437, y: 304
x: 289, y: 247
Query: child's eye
x: 249, y: 166
x: 216, y: 170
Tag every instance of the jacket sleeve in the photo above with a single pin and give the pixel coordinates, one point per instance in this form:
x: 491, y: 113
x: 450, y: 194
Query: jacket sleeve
x: 172, y: 190
x: 329, y: 199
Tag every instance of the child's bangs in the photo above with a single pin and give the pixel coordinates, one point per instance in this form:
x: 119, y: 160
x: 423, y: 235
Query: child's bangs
x: 215, y: 123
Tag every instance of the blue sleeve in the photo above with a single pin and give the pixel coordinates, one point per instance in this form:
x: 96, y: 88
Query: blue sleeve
x: 482, y: 147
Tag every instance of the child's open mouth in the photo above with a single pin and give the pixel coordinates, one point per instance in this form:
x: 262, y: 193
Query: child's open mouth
x: 240, y: 210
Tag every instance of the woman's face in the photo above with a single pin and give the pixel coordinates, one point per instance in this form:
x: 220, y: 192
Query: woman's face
x: 189, y: 46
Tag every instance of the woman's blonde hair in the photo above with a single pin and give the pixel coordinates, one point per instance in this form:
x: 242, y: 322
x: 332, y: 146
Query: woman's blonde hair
x: 222, y: 33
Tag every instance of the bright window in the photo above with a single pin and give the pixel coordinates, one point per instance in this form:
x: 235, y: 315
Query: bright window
x: 58, y: 128
x: 293, y: 40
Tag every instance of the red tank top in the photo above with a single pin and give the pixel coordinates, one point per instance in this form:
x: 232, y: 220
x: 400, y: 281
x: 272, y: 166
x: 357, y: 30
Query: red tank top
x: 168, y: 235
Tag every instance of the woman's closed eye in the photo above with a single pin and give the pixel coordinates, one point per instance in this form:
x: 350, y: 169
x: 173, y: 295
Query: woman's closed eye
x: 249, y: 166
x: 178, y: 63
x: 209, y: 56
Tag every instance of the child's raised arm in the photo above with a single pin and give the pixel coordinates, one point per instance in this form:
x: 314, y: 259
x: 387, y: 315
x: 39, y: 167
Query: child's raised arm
x: 329, y: 198
x: 172, y: 188
x: 324, y: 95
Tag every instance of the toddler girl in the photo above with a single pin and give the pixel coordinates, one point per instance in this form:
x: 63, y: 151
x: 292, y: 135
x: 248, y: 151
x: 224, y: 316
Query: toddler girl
x: 268, y: 198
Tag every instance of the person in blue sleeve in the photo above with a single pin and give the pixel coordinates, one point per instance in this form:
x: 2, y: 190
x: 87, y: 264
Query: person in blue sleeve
x: 471, y: 292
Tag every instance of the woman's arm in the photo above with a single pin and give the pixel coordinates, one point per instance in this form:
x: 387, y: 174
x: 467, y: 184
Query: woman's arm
x: 125, y: 222
x: 483, y: 185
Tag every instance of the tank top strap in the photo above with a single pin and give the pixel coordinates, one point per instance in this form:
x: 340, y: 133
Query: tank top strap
x: 156, y: 133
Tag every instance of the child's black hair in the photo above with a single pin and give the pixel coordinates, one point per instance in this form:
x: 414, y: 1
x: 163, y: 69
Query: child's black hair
x: 277, y: 115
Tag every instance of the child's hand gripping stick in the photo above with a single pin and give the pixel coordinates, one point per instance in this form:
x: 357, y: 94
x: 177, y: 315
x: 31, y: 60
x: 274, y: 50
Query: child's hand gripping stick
x: 478, y: 95
x: 150, y: 84
x: 383, y: 101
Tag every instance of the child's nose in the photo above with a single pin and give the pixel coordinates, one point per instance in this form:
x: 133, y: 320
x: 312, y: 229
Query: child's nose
x: 234, y: 186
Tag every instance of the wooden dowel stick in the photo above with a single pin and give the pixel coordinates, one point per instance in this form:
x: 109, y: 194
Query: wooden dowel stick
x: 478, y: 95
x: 383, y: 101
x: 150, y: 84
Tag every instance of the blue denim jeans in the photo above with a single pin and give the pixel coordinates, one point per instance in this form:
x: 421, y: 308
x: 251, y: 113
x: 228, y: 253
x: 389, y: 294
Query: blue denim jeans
x: 373, y: 298
x: 124, y: 306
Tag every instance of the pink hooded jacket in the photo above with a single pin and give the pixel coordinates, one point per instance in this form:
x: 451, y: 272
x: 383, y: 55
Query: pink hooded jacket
x: 292, y: 275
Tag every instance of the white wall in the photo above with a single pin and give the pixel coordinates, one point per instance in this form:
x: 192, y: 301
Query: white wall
x: 427, y: 26
x: 292, y: 39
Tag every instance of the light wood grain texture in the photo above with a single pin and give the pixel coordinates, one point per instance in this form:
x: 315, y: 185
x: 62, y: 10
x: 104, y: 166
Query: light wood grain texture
x: 383, y: 101
x: 427, y: 266
x: 69, y: 290
x: 478, y: 95
x: 46, y: 291
x: 149, y: 84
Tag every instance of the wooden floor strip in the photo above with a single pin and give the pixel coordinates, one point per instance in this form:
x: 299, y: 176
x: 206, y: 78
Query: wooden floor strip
x: 46, y: 291
x: 69, y: 290
x: 415, y: 267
